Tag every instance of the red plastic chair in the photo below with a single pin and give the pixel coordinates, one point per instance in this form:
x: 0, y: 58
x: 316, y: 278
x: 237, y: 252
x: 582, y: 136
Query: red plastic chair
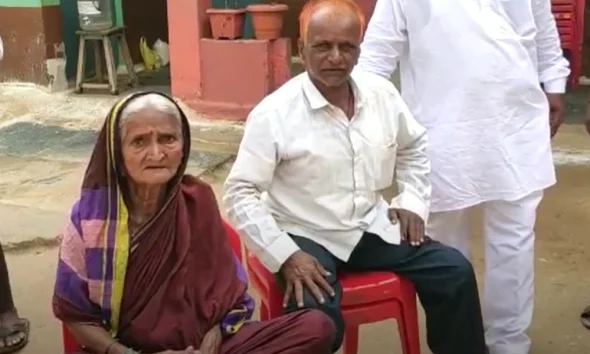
x: 71, y: 345
x: 69, y: 342
x: 569, y: 17
x: 366, y: 298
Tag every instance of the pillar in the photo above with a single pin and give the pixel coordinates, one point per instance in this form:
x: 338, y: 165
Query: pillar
x: 30, y: 30
x: 186, y: 26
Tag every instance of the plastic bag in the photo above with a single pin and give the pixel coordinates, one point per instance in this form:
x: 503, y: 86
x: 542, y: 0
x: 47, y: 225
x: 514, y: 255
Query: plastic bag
x: 151, y: 60
x: 163, y: 51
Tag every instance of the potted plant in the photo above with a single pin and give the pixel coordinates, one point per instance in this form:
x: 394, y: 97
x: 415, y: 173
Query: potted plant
x: 227, y: 23
x: 267, y: 19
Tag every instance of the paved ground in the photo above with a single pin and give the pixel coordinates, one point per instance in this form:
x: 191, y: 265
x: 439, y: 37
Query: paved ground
x: 45, y: 140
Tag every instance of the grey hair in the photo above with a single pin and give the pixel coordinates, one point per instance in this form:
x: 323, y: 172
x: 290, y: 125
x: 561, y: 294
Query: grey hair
x: 153, y: 101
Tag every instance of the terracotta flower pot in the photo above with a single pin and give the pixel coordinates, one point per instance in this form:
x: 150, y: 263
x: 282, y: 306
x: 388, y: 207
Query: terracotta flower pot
x: 226, y: 23
x: 267, y: 20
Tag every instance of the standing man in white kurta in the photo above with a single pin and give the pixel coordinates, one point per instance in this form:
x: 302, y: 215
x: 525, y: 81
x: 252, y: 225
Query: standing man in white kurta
x: 485, y: 78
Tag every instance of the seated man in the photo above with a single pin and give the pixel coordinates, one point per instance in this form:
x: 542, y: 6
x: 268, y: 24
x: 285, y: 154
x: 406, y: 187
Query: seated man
x: 145, y: 264
x: 304, y: 191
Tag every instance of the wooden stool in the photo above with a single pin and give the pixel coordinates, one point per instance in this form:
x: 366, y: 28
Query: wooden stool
x: 104, y: 36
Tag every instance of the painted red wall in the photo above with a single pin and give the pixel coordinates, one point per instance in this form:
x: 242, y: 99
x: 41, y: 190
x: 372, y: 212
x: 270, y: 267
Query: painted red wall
x: 291, y: 21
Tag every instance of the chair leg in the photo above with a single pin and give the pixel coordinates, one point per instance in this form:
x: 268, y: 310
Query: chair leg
x: 351, y: 340
x: 403, y: 336
x: 110, y: 63
x: 81, y: 64
x: 408, y: 323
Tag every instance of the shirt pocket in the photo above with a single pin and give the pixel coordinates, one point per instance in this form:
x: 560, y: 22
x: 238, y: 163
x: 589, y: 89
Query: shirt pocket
x: 384, y: 165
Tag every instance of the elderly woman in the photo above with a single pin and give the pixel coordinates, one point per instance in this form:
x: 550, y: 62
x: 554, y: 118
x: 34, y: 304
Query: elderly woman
x: 145, y: 264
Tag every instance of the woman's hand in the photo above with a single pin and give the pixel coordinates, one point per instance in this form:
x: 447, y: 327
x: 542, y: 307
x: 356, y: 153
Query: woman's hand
x: 211, y: 342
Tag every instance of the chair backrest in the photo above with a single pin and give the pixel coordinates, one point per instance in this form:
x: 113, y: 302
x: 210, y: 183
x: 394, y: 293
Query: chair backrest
x: 234, y: 239
x: 569, y: 17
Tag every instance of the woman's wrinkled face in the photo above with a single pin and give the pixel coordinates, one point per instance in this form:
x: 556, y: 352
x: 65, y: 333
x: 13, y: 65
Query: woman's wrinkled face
x: 152, y: 147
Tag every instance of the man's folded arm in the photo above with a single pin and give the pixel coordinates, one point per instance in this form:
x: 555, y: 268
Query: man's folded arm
x: 250, y: 176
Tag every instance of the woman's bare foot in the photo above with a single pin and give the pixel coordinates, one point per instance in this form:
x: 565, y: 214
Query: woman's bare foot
x: 14, y: 332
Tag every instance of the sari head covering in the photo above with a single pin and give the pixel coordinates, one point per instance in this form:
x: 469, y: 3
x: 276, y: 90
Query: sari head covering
x: 163, y: 287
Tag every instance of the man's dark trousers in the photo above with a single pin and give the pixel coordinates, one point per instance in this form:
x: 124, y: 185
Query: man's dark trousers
x: 443, y: 277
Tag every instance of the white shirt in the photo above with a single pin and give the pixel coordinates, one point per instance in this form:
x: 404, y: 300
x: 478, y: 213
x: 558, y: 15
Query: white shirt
x: 470, y: 74
x: 304, y: 168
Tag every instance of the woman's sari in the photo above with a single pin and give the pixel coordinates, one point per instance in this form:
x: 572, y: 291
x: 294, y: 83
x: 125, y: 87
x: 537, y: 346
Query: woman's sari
x: 165, y: 286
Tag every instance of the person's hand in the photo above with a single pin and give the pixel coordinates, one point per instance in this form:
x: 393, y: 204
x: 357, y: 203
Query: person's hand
x: 411, y: 225
x: 587, y: 118
x: 301, y: 270
x: 555, y: 112
x: 211, y: 341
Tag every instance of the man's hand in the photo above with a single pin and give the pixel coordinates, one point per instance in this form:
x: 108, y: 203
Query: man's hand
x: 301, y: 270
x: 555, y: 111
x: 411, y: 225
x: 211, y: 342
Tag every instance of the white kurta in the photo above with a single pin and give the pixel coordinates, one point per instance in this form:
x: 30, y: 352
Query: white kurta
x: 470, y: 74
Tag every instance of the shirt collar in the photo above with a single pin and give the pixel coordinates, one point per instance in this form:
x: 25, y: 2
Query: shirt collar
x: 317, y: 100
